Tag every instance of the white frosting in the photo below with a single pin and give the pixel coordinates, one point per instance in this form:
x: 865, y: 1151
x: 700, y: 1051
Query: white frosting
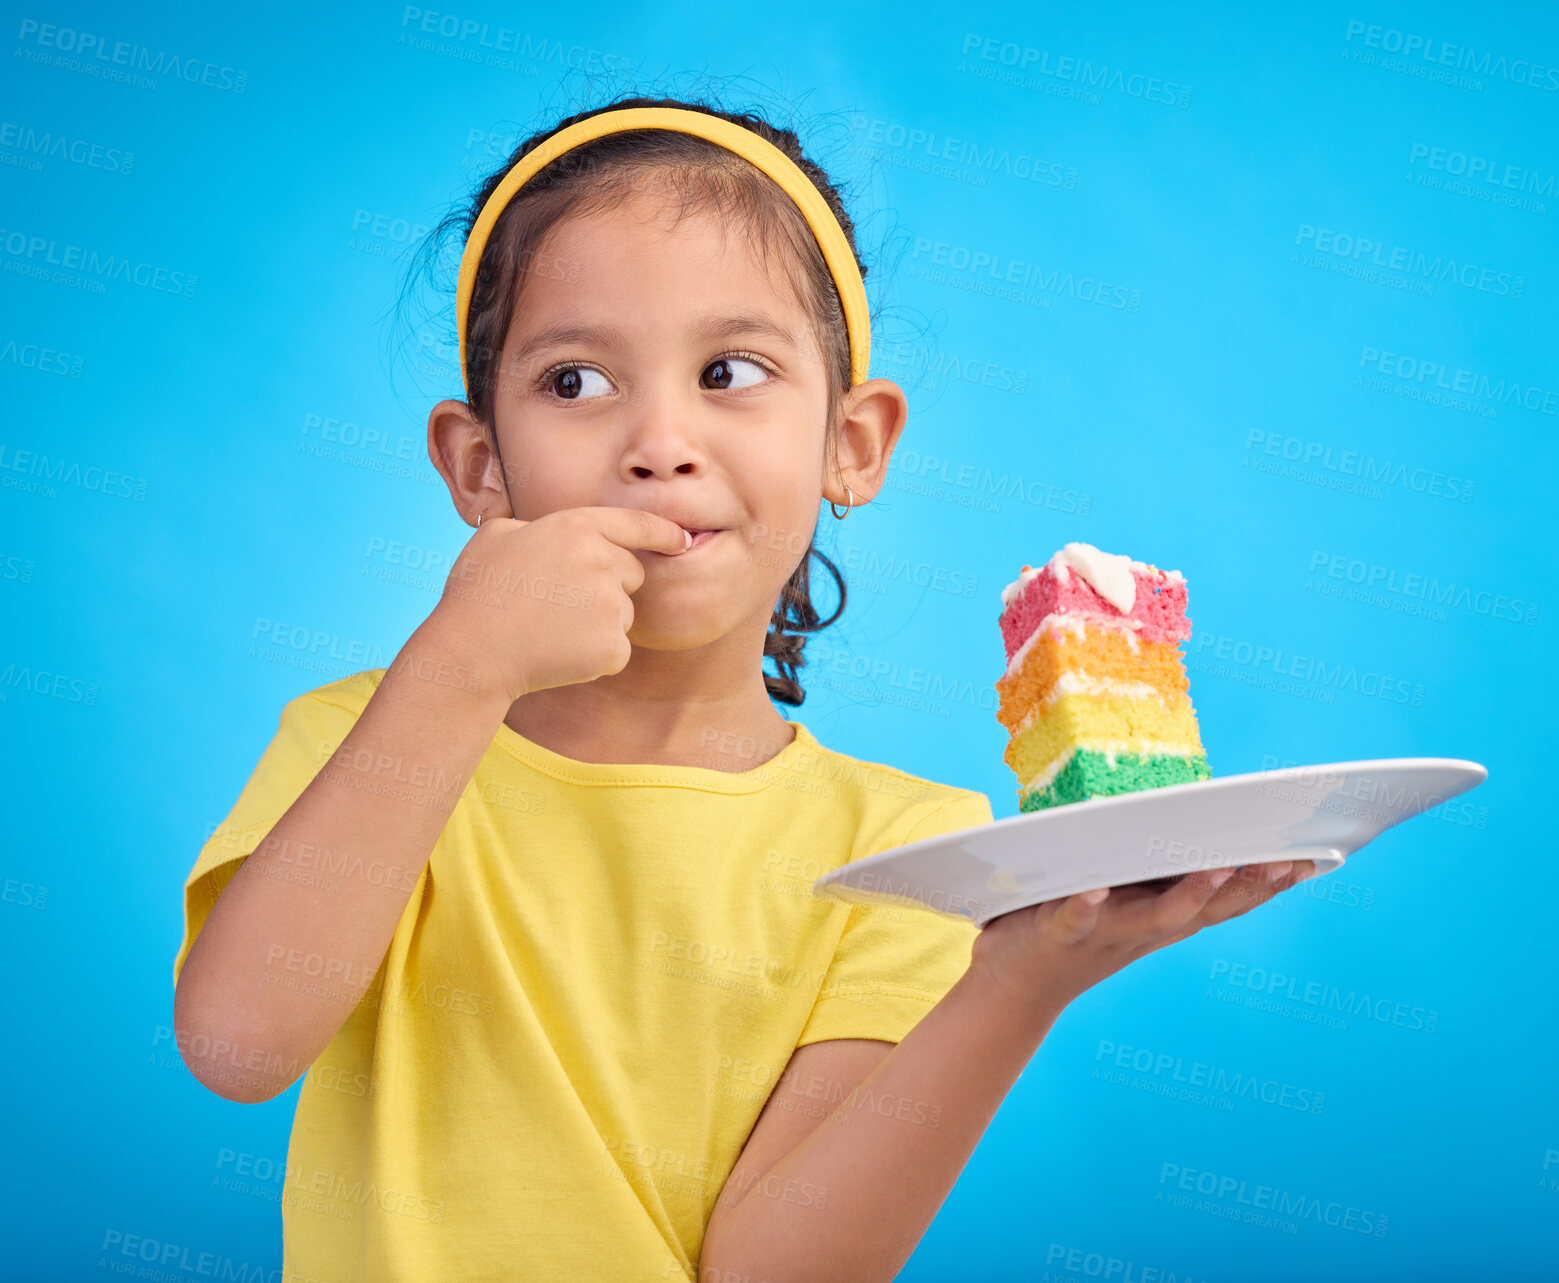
x: 1076, y: 623
x: 1108, y: 572
x: 1043, y: 779
x: 1016, y: 586
x: 1070, y: 683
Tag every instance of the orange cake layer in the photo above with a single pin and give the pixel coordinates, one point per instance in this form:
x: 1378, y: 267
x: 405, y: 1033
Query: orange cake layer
x: 1101, y: 655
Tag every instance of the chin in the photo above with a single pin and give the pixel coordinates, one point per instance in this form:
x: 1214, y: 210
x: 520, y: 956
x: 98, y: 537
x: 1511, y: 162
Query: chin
x: 673, y: 626
x: 672, y: 639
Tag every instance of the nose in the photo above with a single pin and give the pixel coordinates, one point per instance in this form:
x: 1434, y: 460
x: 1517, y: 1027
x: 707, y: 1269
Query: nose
x: 662, y: 438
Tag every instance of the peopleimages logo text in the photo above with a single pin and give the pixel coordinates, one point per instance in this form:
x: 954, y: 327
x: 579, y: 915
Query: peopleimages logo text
x: 1026, y: 275
x: 1481, y: 169
x: 1399, y: 258
x: 1518, y: 71
x: 1027, y: 58
x: 1441, y: 375
x: 1355, y: 570
x: 877, y: 132
x: 1275, y: 1198
x: 41, y: 252
x: 123, y: 53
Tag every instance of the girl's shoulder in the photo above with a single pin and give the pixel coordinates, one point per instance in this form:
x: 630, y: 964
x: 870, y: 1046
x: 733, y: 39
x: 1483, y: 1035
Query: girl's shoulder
x: 348, y: 694
x: 919, y: 802
x: 352, y: 691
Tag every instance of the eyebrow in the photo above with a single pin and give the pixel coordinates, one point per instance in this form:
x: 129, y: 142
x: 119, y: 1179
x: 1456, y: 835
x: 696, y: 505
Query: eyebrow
x: 710, y: 327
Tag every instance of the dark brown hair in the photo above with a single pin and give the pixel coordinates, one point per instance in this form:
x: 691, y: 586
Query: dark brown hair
x: 703, y: 175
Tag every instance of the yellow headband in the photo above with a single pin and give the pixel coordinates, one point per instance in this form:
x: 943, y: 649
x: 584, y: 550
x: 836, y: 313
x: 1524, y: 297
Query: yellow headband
x: 746, y: 144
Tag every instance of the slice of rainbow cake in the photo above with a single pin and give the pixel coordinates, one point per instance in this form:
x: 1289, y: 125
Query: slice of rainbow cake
x: 1095, y: 695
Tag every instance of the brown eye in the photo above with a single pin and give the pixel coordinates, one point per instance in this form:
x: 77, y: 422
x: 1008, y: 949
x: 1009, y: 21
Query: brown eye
x: 569, y: 382
x: 728, y: 373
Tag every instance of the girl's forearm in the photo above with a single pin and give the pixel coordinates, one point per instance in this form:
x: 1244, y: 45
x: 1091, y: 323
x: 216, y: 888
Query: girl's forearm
x: 880, y: 1166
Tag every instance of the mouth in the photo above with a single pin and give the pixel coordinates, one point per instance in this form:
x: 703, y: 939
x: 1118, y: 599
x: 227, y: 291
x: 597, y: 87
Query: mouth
x: 700, y: 538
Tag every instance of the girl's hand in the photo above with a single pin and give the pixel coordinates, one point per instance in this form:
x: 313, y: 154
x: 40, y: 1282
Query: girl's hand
x: 1056, y: 950
x: 548, y: 602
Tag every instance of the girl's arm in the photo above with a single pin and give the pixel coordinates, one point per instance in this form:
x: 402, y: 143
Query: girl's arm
x: 852, y: 1199
x: 260, y: 1036
x: 383, y: 800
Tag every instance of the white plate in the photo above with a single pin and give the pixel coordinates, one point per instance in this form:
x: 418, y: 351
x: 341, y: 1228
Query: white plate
x: 1320, y: 813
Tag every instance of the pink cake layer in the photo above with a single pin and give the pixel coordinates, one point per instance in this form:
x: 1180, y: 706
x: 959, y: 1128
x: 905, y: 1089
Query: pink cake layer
x: 1161, y: 613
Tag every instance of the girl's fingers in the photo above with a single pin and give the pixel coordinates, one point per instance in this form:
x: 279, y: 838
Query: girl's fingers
x: 1175, y: 908
x: 1196, y: 901
x: 1078, y: 915
x: 1256, y: 884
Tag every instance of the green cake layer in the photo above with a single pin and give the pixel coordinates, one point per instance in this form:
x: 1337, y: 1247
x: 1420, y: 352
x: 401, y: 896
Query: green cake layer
x: 1089, y: 774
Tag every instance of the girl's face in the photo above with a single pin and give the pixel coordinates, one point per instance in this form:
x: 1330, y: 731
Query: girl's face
x: 660, y: 367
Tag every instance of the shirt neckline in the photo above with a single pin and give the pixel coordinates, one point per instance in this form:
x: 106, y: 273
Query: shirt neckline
x: 706, y: 778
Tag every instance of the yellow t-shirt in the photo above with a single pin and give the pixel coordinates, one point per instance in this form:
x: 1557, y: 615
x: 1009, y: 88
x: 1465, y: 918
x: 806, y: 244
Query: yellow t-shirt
x: 595, y: 986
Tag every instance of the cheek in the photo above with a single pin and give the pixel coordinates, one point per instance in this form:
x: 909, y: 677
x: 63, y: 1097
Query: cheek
x: 542, y: 481
x: 784, y: 464
x: 780, y: 540
x: 774, y: 552
x: 782, y: 502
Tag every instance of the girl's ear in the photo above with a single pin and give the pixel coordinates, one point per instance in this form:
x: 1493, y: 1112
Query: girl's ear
x: 458, y: 447
x: 874, y: 414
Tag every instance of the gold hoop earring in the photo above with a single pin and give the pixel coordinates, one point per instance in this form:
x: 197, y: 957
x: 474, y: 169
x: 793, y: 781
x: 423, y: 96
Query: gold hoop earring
x: 849, y: 504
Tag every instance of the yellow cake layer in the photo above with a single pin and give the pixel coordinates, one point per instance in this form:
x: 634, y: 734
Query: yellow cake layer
x: 1099, y: 720
x: 1102, y: 654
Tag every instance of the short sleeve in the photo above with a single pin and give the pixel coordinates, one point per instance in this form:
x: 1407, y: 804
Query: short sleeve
x: 312, y: 727
x: 893, y: 964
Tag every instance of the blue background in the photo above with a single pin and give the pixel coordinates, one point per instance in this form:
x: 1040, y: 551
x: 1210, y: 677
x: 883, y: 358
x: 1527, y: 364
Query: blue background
x: 1166, y: 429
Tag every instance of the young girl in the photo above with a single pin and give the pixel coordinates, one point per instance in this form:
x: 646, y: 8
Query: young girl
x: 531, y: 907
